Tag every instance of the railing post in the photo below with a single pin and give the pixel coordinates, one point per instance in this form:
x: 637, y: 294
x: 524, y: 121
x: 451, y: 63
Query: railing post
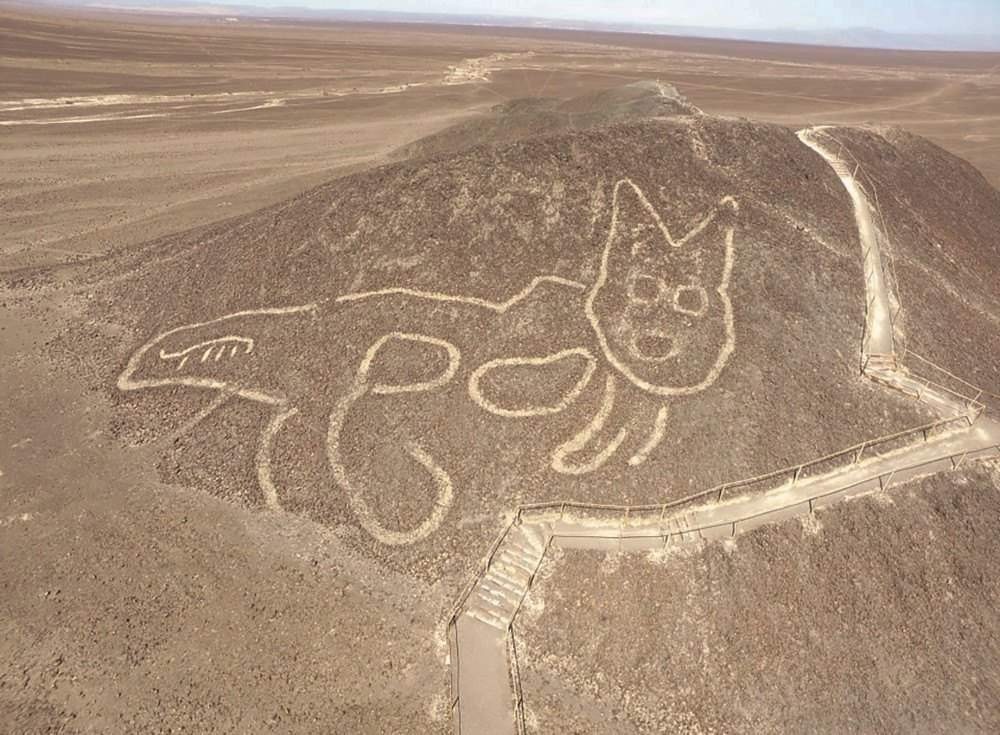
x: 515, y: 675
x: 885, y: 485
x: 959, y: 463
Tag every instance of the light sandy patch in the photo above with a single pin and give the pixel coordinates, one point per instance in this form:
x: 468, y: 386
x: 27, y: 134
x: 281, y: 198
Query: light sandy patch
x: 81, y: 119
x: 105, y: 100
x: 276, y: 102
x: 811, y: 525
x: 14, y: 519
x: 479, y: 69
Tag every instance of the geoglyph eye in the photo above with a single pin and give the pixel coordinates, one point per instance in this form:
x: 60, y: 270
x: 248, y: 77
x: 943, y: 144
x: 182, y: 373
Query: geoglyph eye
x: 644, y: 289
x: 691, y: 300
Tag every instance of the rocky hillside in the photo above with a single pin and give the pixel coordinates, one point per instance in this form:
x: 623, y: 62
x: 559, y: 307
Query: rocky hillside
x: 535, y: 116
x: 621, y: 314
x: 615, y: 299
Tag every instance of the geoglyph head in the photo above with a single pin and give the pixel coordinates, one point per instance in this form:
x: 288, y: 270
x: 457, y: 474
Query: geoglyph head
x: 660, y: 306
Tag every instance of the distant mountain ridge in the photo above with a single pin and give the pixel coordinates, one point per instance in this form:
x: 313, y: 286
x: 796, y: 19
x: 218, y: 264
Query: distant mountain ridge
x: 852, y: 37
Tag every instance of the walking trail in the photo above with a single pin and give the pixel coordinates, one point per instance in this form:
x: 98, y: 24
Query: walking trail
x: 486, y: 696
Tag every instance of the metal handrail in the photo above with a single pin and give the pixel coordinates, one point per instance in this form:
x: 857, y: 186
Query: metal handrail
x: 972, y: 403
x: 979, y: 391
x: 722, y: 487
x: 624, y: 510
x: 809, y: 500
x: 515, y: 675
x: 733, y: 525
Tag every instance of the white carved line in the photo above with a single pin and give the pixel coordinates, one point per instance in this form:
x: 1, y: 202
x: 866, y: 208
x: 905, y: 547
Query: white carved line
x: 497, y: 306
x: 440, y: 478
x: 263, y: 458
x: 127, y: 383
x: 363, y: 386
x: 476, y: 394
x: 722, y: 290
x: 655, y: 437
x: 580, y: 440
x: 454, y: 359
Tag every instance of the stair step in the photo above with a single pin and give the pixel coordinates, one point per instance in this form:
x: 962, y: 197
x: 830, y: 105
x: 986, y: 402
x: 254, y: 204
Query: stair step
x: 510, y: 560
x: 487, y: 614
x: 502, y: 612
x: 502, y: 583
x: 523, y: 547
x: 494, y: 604
x: 535, y: 536
x: 513, y: 576
x: 501, y: 594
x: 526, y: 550
x: 487, y: 618
x: 525, y: 560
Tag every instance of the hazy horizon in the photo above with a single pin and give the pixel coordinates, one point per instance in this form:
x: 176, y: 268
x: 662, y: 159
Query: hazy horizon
x: 968, y: 25
x: 964, y: 17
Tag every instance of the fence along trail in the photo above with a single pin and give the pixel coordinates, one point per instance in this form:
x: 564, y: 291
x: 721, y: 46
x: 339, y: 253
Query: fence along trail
x: 486, y: 695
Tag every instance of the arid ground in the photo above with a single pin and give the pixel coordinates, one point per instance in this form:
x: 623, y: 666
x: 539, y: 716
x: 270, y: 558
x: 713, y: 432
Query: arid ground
x: 293, y: 316
x: 120, y: 128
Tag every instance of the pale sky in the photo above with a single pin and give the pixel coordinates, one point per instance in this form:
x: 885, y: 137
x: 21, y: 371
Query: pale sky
x: 899, y: 16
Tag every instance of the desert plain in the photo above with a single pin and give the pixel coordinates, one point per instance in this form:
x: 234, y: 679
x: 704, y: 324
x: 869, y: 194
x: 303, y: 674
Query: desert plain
x: 119, y: 128
x: 167, y: 173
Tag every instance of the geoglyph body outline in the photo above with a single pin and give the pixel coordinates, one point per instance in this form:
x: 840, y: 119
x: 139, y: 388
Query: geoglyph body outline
x: 561, y: 456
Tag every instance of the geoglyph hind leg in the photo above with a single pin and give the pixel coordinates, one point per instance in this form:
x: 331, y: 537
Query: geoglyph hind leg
x: 363, y: 386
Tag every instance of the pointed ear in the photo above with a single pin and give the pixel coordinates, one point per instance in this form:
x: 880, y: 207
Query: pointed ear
x: 636, y: 227
x: 635, y: 219
x: 718, y: 258
x: 706, y: 250
x: 716, y: 243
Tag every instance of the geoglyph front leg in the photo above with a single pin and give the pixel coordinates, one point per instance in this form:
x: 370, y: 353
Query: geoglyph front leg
x: 599, y: 440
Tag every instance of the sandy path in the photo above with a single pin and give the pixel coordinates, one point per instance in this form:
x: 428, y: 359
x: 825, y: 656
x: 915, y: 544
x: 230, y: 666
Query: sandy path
x: 480, y: 632
x: 878, y: 329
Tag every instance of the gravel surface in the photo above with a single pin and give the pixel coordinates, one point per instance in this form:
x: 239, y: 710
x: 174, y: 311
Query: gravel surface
x: 878, y: 615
